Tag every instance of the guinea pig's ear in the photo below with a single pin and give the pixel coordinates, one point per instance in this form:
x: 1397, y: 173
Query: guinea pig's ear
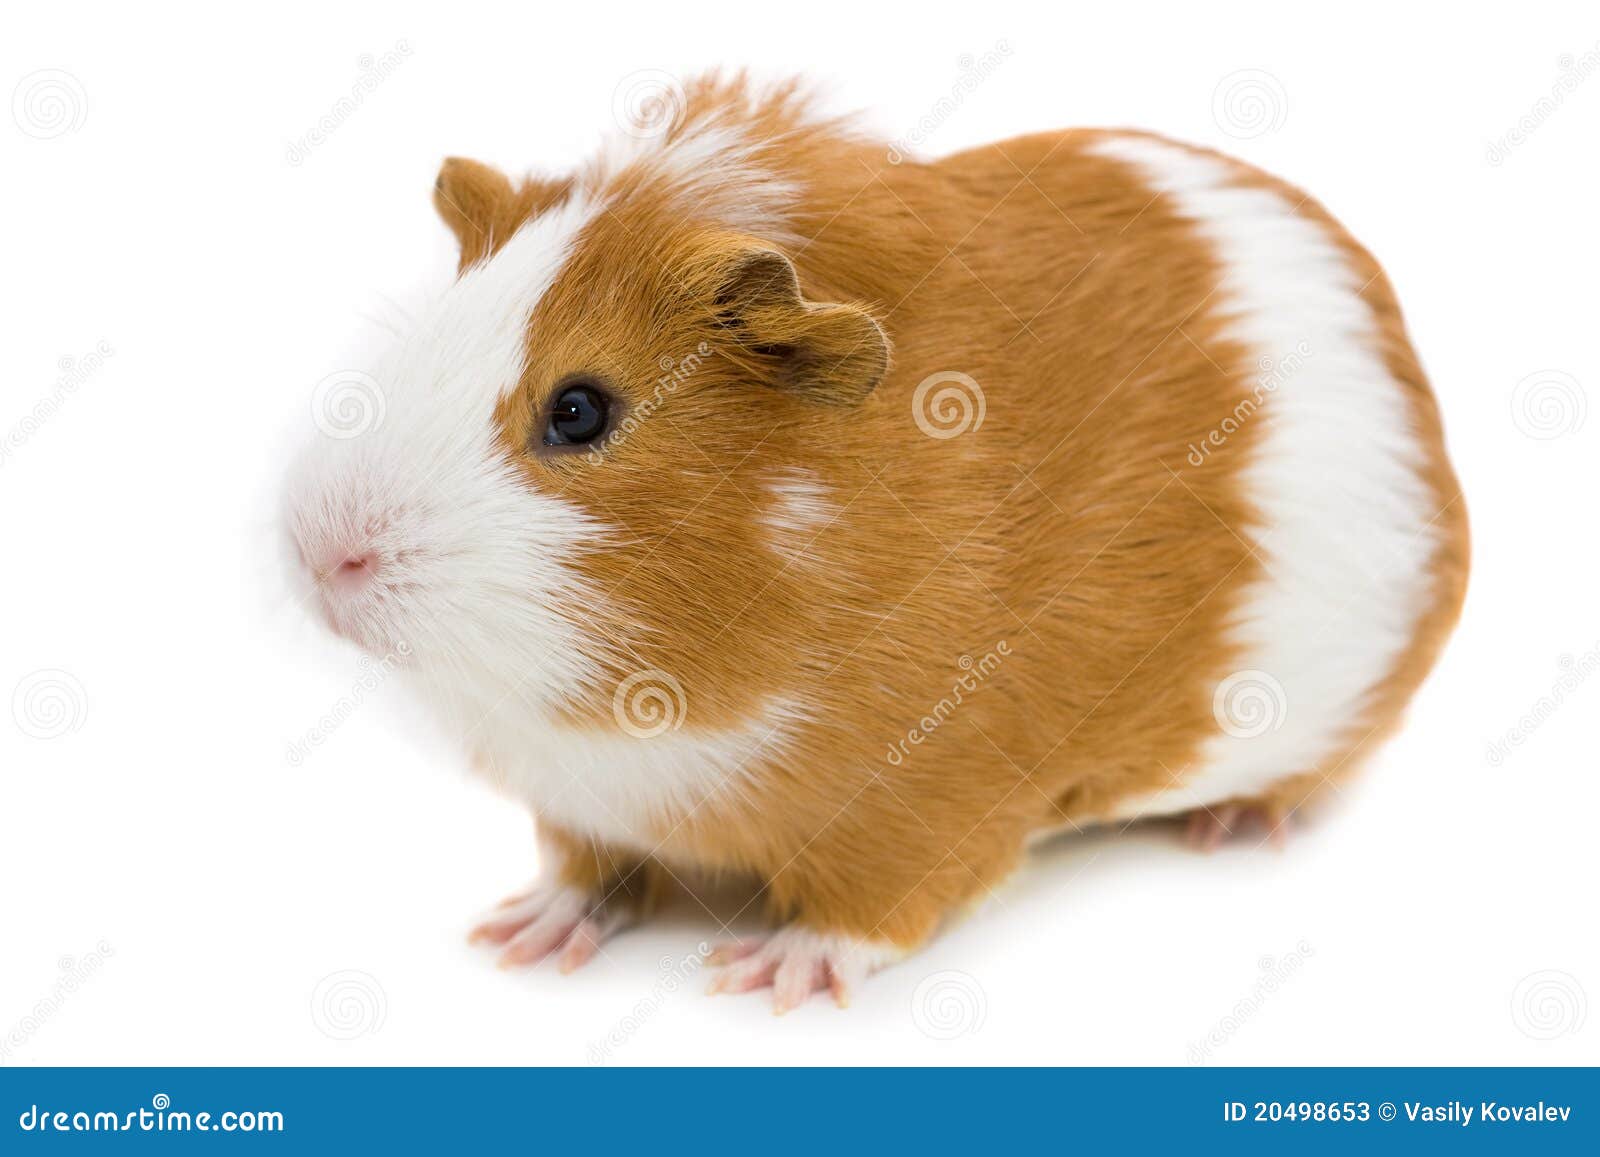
x: 472, y: 198
x: 835, y: 354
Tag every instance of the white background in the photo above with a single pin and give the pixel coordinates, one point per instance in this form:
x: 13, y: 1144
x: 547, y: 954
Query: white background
x: 206, y: 889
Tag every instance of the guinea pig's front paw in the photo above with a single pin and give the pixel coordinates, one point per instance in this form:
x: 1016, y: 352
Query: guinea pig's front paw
x: 795, y: 962
x: 549, y: 918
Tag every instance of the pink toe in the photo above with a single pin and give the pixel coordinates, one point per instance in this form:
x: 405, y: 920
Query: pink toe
x: 1223, y: 820
x: 580, y: 947
x: 796, y: 979
x: 745, y: 976
x: 732, y: 951
x: 536, y: 941
x: 496, y: 931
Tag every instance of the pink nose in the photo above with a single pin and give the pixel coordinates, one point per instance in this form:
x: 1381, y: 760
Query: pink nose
x: 352, y: 572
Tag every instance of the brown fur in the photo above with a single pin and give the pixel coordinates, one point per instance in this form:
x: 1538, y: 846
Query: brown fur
x: 1065, y: 527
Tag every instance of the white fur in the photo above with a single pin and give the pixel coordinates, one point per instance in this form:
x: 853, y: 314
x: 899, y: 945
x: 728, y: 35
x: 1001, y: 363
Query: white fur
x: 621, y: 788
x: 1346, y: 533
x: 712, y: 170
x: 798, y: 511
x: 474, y: 570
x: 471, y: 558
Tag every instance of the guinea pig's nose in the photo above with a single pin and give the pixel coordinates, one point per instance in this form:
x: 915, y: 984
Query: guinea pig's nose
x: 354, y: 571
x: 343, y: 569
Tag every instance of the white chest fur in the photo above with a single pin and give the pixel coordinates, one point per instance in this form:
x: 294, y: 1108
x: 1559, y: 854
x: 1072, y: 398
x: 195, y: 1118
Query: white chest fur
x: 623, y: 788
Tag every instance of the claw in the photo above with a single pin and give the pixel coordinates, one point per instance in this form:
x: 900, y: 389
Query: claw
x: 796, y: 962
x: 582, y: 945
x: 561, y: 920
x: 732, y: 951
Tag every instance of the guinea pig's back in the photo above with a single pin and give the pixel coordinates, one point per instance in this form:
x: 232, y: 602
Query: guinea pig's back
x: 1256, y: 544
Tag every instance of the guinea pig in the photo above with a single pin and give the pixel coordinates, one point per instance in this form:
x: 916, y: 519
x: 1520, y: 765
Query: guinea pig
x: 762, y: 503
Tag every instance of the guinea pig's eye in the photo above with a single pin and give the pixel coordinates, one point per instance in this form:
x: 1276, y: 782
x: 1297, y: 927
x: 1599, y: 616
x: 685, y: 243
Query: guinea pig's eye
x: 577, y: 415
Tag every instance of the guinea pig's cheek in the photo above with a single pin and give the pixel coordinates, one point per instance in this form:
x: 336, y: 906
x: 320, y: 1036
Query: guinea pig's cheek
x: 490, y: 593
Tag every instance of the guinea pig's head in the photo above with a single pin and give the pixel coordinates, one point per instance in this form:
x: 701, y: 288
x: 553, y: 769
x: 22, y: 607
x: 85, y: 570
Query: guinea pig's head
x: 597, y: 454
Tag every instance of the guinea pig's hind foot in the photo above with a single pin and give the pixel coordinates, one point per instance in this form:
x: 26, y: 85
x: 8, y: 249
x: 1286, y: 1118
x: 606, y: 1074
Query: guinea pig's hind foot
x: 795, y: 962
x: 1206, y: 828
x: 552, y: 918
